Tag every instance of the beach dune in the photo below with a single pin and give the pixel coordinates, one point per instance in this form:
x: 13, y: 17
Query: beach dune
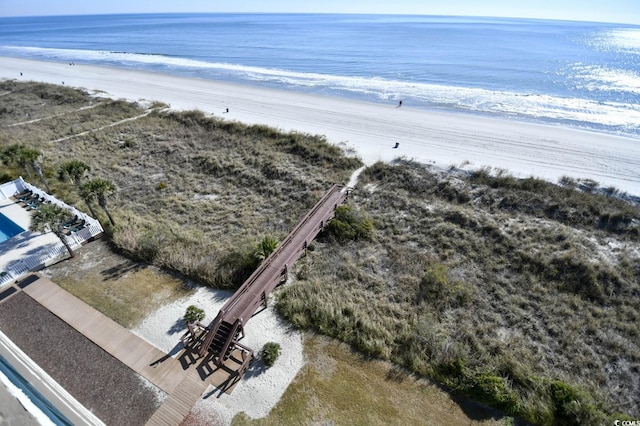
x: 370, y: 129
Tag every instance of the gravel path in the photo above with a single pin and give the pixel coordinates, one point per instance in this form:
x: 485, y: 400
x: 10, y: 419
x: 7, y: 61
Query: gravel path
x: 111, y: 390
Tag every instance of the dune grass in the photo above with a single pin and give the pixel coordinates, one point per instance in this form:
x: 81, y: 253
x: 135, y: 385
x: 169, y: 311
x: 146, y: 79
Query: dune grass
x: 339, y: 386
x: 520, y: 293
x: 195, y: 193
x: 482, y: 286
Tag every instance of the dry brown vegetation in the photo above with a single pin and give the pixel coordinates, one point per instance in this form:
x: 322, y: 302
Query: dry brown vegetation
x: 195, y: 194
x: 341, y: 387
x: 519, y: 293
x: 512, y: 291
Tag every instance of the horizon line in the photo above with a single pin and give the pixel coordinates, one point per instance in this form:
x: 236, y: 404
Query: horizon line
x: 325, y: 13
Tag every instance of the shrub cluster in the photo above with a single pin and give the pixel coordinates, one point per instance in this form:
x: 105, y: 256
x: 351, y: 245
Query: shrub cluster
x: 350, y: 225
x: 270, y: 353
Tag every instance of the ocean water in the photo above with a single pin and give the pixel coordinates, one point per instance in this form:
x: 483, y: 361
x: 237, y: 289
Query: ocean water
x: 585, y: 75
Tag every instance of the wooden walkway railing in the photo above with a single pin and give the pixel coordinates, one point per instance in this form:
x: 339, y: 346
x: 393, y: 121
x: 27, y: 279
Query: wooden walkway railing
x: 222, y: 335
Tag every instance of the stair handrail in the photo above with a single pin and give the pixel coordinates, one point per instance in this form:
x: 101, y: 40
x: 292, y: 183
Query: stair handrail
x: 267, y: 262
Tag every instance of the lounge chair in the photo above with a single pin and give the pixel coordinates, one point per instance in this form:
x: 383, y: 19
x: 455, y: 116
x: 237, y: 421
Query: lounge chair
x: 23, y: 195
x: 77, y: 227
x: 34, y: 204
x: 34, y: 196
x: 70, y: 223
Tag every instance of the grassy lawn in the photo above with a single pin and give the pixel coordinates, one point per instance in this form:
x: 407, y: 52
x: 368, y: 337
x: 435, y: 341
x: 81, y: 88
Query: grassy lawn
x: 124, y: 290
x: 339, y: 386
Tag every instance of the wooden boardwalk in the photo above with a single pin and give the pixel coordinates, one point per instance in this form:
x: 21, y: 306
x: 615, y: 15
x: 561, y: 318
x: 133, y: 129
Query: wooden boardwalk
x: 184, y: 378
x: 224, y: 331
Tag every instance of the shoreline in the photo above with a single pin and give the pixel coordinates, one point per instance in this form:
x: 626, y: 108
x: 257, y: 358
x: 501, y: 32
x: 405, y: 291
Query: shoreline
x: 370, y: 130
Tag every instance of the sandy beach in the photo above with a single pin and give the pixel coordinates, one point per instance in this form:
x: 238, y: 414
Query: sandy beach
x: 370, y: 129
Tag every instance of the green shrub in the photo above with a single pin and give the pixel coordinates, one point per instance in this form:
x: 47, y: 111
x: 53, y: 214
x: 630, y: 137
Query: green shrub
x: 436, y: 289
x: 193, y: 314
x: 349, y: 225
x: 492, y: 389
x: 266, y: 247
x: 270, y: 352
x: 573, y: 406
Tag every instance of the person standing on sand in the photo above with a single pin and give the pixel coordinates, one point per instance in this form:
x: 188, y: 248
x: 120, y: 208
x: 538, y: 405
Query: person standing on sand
x: 400, y: 103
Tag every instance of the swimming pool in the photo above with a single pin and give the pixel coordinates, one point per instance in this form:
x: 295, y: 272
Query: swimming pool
x: 8, y: 228
x: 36, y: 403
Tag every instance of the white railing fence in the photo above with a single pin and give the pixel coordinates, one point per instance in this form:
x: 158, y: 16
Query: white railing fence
x: 48, y: 254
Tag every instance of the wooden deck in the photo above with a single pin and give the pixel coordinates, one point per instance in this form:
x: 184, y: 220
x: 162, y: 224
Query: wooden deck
x: 184, y: 378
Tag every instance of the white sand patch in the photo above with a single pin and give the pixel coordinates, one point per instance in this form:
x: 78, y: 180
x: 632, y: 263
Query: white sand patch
x: 261, y: 388
x: 371, y: 130
x: 353, y: 180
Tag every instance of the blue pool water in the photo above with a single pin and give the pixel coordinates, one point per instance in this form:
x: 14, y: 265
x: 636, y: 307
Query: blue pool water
x: 48, y: 409
x: 8, y: 228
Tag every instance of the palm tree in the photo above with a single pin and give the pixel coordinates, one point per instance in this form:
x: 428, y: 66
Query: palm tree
x: 14, y: 155
x: 52, y: 217
x: 266, y: 247
x: 193, y: 314
x: 32, y: 157
x: 100, y: 190
x: 25, y: 157
x: 74, y: 172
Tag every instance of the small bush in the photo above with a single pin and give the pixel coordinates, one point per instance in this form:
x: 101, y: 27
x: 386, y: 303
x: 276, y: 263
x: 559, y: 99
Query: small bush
x: 270, y: 352
x: 266, y: 247
x: 492, y: 389
x: 573, y: 406
x: 436, y: 289
x: 162, y: 185
x: 193, y: 314
x: 568, y: 182
x: 349, y: 225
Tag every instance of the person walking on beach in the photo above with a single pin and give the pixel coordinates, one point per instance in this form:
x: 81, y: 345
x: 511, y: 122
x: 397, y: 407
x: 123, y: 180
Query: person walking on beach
x: 400, y: 103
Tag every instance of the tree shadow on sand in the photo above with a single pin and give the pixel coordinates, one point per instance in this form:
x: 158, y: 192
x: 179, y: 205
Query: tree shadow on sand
x: 256, y: 369
x: 178, y: 327
x: 120, y: 270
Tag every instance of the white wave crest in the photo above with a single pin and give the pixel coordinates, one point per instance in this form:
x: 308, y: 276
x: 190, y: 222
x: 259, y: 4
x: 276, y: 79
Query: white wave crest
x: 601, y: 78
x: 616, y: 115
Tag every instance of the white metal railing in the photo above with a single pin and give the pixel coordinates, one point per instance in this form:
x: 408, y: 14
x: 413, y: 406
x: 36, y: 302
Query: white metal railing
x: 39, y: 260
x: 15, y: 270
x: 8, y: 189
